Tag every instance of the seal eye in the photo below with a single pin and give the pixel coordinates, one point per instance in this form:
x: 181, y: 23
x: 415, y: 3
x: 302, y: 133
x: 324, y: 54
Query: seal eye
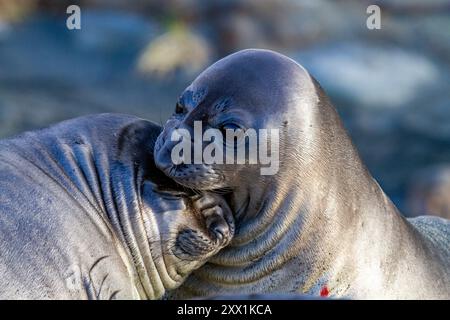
x: 229, y: 126
x: 179, y: 109
x: 233, y: 134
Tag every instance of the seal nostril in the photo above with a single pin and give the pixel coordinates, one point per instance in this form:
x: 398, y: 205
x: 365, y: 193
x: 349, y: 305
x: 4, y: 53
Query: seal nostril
x: 220, y: 231
x: 219, y: 235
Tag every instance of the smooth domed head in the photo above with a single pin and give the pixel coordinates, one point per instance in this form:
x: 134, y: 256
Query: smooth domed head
x: 259, y: 94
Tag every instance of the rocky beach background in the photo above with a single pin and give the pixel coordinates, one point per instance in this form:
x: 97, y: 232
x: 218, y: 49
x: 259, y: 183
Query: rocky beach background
x: 391, y: 86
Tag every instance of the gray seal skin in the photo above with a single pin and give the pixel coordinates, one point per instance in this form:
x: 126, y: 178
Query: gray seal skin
x: 85, y: 214
x: 320, y: 226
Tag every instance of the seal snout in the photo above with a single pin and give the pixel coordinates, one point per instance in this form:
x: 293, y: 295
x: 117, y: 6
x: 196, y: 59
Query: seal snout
x: 218, y: 217
x: 220, y: 231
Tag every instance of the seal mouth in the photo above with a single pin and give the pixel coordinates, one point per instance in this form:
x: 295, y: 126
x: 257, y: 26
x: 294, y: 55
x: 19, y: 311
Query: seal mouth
x: 195, y: 176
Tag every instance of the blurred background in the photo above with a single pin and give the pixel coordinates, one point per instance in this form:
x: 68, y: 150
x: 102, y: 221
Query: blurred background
x: 391, y: 86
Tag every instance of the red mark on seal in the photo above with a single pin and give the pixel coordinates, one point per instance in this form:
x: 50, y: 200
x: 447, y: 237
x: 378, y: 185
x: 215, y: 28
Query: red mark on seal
x: 324, y: 292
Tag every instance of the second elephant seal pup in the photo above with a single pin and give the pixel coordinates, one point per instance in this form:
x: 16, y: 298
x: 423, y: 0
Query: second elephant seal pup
x: 85, y: 214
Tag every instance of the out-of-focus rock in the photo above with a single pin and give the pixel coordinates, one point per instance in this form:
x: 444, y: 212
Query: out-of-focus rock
x: 300, y: 23
x: 430, y: 118
x: 49, y: 73
x: 108, y: 31
x: 429, y: 192
x: 177, y: 50
x: 373, y: 76
x: 13, y: 12
x: 16, y: 10
x: 413, y: 5
x: 434, y: 30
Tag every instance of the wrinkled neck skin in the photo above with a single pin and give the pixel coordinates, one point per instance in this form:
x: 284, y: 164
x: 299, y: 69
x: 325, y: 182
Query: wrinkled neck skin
x: 321, y: 227
x: 126, y: 199
x: 129, y: 211
x: 95, y: 162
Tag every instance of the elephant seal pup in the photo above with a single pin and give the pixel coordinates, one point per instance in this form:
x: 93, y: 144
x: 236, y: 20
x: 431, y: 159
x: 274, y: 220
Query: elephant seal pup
x: 321, y: 225
x: 85, y: 214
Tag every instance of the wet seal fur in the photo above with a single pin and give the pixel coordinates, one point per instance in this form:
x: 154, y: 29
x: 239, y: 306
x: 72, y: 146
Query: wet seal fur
x: 321, y: 226
x: 85, y: 214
